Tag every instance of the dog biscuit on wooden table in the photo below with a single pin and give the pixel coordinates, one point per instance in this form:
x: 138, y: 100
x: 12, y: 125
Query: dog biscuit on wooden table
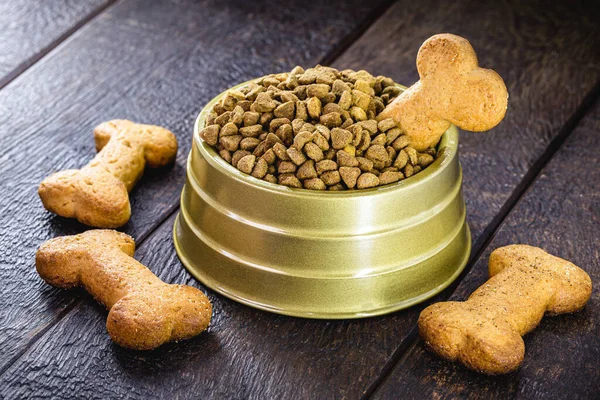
x: 144, y: 311
x: 97, y: 195
x: 452, y: 89
x: 485, y: 332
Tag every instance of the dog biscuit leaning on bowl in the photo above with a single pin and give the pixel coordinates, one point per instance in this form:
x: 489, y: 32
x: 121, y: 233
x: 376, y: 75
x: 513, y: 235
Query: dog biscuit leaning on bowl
x: 97, y: 195
x: 453, y: 89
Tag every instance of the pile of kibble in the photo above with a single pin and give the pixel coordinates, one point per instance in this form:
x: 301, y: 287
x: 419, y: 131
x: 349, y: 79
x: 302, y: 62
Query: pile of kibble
x: 316, y: 129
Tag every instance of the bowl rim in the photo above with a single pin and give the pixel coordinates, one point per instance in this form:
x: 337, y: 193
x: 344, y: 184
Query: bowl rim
x: 447, y: 150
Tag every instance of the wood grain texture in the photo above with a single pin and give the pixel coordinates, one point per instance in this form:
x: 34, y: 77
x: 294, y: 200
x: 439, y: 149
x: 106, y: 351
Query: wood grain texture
x: 263, y: 355
x: 560, y: 213
x: 155, y: 62
x: 29, y: 29
x: 249, y: 353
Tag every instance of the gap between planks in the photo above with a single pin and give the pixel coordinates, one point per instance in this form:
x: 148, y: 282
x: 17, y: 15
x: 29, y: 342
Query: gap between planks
x: 357, y: 32
x: 327, y: 59
x: 31, y: 61
x: 492, y: 228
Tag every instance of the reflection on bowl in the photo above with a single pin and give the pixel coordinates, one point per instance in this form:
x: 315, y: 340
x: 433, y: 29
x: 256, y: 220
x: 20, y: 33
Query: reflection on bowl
x: 343, y: 254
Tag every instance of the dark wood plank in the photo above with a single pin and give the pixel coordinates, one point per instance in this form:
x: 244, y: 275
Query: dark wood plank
x: 255, y: 354
x: 560, y: 213
x: 30, y: 30
x: 150, y: 61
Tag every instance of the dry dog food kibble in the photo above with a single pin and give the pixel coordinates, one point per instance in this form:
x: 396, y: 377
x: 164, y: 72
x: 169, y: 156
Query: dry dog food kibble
x: 315, y: 129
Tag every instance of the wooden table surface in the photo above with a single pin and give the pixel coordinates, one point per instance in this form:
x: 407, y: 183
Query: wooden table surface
x: 67, y: 65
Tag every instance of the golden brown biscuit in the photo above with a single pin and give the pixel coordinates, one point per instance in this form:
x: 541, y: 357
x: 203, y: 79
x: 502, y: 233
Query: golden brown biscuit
x: 452, y: 90
x: 144, y: 312
x: 484, y: 332
x: 97, y: 194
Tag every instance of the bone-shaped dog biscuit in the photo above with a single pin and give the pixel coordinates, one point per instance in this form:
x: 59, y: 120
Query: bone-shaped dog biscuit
x: 144, y: 311
x: 485, y: 332
x: 97, y: 195
x: 452, y: 90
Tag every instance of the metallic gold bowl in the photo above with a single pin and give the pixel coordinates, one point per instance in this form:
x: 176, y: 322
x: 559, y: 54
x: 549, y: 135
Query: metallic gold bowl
x: 307, y: 253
